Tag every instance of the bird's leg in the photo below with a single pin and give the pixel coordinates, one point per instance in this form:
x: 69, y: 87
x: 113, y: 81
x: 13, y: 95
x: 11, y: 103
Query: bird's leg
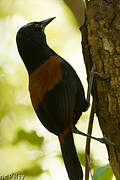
x: 102, y: 140
x: 90, y: 81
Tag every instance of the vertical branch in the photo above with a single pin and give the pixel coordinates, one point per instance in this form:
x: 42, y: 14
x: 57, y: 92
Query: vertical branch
x: 87, y: 149
x: 86, y: 1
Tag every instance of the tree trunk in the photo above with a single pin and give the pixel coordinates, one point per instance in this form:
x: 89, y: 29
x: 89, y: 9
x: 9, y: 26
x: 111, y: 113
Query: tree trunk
x: 101, y: 45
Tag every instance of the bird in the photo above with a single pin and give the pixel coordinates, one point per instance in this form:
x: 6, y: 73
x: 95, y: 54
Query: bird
x: 56, y: 91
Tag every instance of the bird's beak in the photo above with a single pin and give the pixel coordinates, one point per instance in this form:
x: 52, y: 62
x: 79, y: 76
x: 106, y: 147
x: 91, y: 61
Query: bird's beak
x: 44, y: 23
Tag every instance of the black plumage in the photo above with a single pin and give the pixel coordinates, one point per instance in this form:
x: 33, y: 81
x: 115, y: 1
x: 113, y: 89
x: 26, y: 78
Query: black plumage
x: 56, y: 91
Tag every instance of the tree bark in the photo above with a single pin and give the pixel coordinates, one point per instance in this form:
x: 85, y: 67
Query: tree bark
x: 101, y: 45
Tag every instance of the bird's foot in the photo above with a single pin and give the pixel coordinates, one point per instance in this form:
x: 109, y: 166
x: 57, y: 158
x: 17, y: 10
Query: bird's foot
x: 102, y: 76
x: 105, y: 140
x: 99, y: 75
x: 91, y: 77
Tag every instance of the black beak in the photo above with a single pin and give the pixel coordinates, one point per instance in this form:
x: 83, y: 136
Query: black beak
x: 44, y: 23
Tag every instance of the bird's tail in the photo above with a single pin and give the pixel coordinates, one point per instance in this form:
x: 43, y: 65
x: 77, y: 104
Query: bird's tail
x: 70, y: 157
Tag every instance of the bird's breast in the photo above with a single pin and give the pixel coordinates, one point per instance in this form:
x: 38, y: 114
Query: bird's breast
x: 44, y: 79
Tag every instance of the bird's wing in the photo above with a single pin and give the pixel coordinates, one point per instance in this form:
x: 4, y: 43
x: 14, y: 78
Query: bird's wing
x: 54, y: 89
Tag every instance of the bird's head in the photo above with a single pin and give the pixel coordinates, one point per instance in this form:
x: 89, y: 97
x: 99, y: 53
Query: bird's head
x: 33, y: 32
x: 31, y: 43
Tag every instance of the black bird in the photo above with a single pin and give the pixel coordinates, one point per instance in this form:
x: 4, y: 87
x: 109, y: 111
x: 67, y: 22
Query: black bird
x: 56, y: 91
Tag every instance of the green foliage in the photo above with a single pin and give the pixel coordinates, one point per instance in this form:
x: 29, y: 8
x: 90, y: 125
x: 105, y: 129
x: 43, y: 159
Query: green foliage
x: 59, y: 156
x: 100, y: 173
x: 103, y: 173
x: 81, y: 155
x: 93, y: 162
x: 6, y: 95
x: 16, y: 112
x: 30, y: 137
x: 32, y: 171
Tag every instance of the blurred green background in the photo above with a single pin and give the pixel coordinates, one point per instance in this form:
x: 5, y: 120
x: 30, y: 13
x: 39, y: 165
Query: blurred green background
x: 26, y: 147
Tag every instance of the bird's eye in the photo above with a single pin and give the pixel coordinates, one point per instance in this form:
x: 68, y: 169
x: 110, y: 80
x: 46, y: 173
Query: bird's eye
x: 37, y: 27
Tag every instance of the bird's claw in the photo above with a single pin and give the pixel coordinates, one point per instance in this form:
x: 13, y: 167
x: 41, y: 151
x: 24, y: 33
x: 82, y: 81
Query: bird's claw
x: 107, y: 141
x: 101, y: 76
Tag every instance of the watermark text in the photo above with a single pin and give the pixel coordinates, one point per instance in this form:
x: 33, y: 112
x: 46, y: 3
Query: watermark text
x: 12, y: 176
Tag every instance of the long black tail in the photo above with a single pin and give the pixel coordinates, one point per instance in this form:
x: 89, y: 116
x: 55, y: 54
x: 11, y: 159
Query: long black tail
x: 70, y: 157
